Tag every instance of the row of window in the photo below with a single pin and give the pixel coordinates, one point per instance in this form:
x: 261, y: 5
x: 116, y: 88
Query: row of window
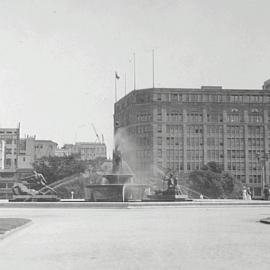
x: 173, y: 154
x: 235, y: 154
x: 143, y: 141
x: 194, y: 130
x: 175, y: 165
x: 174, y: 117
x: 143, y: 129
x: 194, y: 141
x: 254, y: 179
x: 194, y: 154
x: 256, y: 142
x: 174, y: 129
x: 174, y: 141
x: 198, y: 118
x: 7, y: 132
x: 215, y: 154
x: 179, y: 97
x: 235, y: 142
x: 215, y: 130
x: 5, y: 185
x: 234, y: 130
x: 214, y: 142
x: 256, y: 130
x: 236, y: 166
x: 143, y: 154
x: 144, y: 117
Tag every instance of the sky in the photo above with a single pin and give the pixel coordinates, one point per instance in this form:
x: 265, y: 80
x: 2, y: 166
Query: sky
x: 58, y: 58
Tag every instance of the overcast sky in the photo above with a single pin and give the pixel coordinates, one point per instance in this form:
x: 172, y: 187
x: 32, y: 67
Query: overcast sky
x: 57, y: 58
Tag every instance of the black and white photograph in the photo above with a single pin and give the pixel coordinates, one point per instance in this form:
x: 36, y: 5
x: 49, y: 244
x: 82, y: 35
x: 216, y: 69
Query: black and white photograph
x: 134, y: 134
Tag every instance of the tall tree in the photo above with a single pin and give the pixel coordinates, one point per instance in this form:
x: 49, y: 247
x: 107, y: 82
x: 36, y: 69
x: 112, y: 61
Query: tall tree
x: 56, y: 168
x: 212, y: 182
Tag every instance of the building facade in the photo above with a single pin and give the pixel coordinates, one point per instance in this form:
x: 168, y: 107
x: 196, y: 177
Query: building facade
x: 90, y: 151
x: 183, y: 129
x: 45, y: 148
x: 26, y: 156
x: 9, y: 152
x: 17, y: 157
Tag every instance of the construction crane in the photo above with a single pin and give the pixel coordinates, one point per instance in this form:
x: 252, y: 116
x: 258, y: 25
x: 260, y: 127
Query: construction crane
x: 96, y: 133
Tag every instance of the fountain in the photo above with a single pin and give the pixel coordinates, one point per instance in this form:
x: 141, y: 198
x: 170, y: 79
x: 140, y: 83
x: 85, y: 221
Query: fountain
x: 174, y: 191
x: 117, y: 186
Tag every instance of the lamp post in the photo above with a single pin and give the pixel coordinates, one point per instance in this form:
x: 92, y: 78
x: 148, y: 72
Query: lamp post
x: 263, y: 159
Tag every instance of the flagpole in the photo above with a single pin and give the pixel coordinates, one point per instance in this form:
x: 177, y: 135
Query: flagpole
x: 115, y: 88
x: 134, y: 70
x: 153, y: 67
x: 125, y: 83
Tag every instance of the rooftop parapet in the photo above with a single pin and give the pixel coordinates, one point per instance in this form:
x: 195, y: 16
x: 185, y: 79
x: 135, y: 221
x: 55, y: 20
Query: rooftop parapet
x: 205, y: 87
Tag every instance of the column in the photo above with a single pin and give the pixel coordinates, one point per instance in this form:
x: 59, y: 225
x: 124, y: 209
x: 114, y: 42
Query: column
x: 205, y: 160
x: 184, y: 139
x: 246, y: 145
x: 225, y: 147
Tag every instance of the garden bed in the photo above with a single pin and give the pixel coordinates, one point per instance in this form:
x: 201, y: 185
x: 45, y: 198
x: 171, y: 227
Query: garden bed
x: 9, y: 224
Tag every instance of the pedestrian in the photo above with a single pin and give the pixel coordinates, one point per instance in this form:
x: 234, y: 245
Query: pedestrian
x: 201, y: 197
x: 249, y: 194
x: 266, y: 193
x: 244, y: 193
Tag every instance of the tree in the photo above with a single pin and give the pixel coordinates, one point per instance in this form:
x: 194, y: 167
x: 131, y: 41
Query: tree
x: 212, y: 182
x: 56, y: 168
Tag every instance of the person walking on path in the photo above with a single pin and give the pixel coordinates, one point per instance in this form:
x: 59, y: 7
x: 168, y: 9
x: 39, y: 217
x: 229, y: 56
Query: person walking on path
x: 244, y: 193
x: 249, y: 194
x: 266, y: 193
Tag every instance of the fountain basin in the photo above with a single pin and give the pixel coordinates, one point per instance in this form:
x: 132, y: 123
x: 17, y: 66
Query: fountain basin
x: 115, y: 192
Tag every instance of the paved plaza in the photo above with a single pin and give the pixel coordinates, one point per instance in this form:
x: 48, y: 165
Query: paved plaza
x: 203, y: 237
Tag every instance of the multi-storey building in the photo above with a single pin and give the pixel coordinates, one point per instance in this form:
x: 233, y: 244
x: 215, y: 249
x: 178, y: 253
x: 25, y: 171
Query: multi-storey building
x: 17, y: 157
x: 182, y: 129
x: 9, y: 151
x: 90, y: 151
x: 10, y: 139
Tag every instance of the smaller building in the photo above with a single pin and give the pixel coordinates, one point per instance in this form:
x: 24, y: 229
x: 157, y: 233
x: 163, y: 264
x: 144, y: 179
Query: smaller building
x: 45, y: 148
x: 9, y: 147
x: 90, y: 151
x: 65, y: 151
x: 26, y: 156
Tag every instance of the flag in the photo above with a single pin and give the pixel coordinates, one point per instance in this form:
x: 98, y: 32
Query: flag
x: 117, y: 76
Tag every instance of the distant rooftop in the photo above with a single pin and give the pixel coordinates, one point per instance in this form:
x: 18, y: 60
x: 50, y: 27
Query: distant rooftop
x: 45, y: 141
x: 90, y: 143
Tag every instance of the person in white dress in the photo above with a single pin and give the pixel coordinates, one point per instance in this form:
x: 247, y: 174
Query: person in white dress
x: 244, y: 193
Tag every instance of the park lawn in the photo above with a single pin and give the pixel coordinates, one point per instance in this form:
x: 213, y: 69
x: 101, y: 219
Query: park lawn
x: 8, y: 224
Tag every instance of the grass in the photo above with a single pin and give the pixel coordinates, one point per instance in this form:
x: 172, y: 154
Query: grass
x: 8, y: 224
